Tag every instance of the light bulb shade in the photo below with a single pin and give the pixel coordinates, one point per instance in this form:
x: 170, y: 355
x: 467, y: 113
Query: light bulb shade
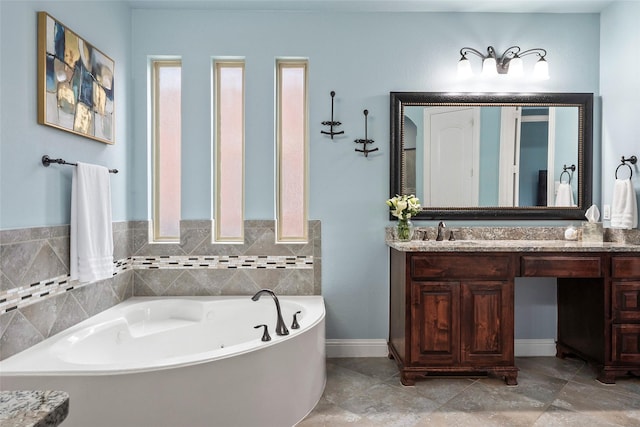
x: 541, y: 69
x: 489, y: 67
x: 464, y: 68
x: 515, y: 67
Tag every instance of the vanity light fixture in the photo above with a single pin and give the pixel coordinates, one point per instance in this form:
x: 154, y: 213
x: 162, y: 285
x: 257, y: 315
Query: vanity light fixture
x: 510, y: 62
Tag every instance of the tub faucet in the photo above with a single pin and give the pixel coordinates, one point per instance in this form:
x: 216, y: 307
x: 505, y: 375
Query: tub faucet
x: 281, y: 329
x: 441, y: 227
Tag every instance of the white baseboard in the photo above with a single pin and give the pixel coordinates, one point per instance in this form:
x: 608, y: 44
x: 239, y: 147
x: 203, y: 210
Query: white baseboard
x: 356, y: 348
x: 378, y: 348
x: 535, y: 348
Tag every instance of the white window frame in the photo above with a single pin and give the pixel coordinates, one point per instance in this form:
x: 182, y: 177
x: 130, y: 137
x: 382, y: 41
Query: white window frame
x: 280, y: 65
x: 217, y: 64
x: 154, y: 229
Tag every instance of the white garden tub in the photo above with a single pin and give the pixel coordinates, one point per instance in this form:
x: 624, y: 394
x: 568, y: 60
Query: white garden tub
x: 182, y: 361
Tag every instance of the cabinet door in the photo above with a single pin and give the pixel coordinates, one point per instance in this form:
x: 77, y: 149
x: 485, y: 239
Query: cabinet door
x: 435, y: 327
x: 487, y: 323
x: 626, y: 301
x: 626, y: 343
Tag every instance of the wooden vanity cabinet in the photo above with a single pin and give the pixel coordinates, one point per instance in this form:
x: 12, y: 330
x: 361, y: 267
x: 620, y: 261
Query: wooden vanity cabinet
x: 625, y: 318
x: 452, y: 314
x: 599, y: 316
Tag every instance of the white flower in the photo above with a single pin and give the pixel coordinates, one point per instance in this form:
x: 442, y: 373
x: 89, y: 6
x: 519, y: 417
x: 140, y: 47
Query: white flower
x: 404, y: 207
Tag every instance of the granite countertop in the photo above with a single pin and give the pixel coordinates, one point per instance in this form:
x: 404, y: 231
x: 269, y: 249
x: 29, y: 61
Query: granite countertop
x: 511, y: 246
x: 33, y: 408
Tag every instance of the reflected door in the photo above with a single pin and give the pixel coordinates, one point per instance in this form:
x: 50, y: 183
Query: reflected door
x: 452, y: 152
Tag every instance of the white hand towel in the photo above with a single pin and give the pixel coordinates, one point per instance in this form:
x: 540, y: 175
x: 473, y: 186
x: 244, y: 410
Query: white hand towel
x: 564, y: 196
x: 91, y: 228
x: 624, y: 209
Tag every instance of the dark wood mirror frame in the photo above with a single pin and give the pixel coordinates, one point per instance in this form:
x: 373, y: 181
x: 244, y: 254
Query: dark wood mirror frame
x: 584, y: 102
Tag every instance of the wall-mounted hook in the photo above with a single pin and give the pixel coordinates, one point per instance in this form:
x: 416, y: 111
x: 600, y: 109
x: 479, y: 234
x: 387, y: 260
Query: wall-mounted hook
x: 365, y: 141
x: 331, y: 122
x: 566, y: 169
x: 633, y: 160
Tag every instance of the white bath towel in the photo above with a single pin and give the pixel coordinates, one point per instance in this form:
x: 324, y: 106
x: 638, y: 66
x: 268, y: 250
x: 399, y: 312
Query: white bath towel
x: 564, y: 196
x: 91, y: 228
x: 624, y: 209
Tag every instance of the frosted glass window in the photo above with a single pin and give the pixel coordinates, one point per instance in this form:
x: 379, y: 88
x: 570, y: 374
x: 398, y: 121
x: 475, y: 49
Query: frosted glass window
x: 229, y: 152
x: 166, y: 136
x: 292, y: 137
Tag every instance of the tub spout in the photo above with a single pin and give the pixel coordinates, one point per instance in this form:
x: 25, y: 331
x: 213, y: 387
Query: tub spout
x: 281, y: 329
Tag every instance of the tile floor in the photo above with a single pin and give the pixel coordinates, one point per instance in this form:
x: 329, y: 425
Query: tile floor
x: 550, y: 392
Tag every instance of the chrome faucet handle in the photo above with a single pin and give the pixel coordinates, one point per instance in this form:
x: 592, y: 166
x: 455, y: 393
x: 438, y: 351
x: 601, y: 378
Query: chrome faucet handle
x: 265, y: 334
x: 441, y: 227
x: 295, y: 324
x: 451, y: 236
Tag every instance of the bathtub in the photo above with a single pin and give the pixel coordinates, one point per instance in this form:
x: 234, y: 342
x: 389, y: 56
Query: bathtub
x: 182, y: 361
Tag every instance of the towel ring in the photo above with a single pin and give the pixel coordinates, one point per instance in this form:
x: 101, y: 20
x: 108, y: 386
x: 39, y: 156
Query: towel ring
x: 627, y: 165
x: 568, y: 174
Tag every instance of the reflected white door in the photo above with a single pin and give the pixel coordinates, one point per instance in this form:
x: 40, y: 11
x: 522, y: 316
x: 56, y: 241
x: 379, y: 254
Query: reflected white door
x: 509, y: 172
x: 452, y: 135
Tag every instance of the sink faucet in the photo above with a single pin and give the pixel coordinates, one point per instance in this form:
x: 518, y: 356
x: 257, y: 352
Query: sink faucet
x: 441, y: 227
x: 281, y: 329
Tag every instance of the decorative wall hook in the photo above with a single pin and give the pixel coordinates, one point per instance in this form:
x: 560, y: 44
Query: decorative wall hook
x: 365, y: 141
x: 331, y: 122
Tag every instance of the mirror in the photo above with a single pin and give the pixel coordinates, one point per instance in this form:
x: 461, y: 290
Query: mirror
x: 500, y: 156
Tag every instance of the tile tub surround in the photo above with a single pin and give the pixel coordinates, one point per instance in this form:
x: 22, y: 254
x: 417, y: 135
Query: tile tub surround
x: 34, y: 269
x: 37, y: 300
x: 287, y: 269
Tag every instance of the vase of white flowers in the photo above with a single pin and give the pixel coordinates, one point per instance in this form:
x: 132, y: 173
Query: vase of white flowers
x: 404, y: 207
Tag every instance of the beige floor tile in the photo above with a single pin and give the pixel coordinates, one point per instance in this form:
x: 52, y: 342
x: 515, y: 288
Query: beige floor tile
x: 551, y: 392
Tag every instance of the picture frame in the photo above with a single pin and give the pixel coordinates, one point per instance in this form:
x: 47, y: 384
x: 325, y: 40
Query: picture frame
x: 75, y: 83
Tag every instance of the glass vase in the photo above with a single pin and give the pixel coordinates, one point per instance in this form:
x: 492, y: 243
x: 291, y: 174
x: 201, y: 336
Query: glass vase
x: 404, y: 230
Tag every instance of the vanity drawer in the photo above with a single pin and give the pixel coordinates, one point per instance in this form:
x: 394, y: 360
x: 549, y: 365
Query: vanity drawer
x: 625, y: 266
x: 561, y: 266
x: 625, y: 343
x: 626, y: 301
x: 495, y: 266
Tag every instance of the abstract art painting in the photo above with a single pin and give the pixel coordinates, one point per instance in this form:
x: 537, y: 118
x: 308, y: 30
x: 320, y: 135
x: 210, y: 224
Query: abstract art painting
x: 75, y: 83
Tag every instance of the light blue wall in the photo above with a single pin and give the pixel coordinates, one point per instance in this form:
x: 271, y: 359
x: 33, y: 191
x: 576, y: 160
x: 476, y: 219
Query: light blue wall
x: 534, y: 138
x: 620, y: 87
x: 566, y: 132
x: 362, y: 56
x: 489, y: 153
x: 417, y: 117
x: 32, y: 195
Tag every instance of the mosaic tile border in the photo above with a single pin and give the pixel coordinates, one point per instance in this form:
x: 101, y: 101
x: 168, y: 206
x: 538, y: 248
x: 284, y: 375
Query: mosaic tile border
x: 23, y: 296
x: 299, y: 262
